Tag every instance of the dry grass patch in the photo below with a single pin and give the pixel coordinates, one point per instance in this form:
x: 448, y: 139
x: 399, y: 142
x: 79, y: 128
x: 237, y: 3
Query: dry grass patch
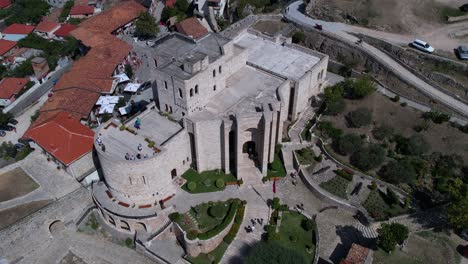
x: 15, y: 183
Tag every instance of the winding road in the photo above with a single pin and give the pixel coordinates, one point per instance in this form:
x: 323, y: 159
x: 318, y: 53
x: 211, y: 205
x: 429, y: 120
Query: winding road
x: 293, y: 13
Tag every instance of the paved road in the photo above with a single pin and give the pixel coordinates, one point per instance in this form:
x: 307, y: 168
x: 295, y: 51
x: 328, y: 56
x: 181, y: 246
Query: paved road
x: 294, y: 14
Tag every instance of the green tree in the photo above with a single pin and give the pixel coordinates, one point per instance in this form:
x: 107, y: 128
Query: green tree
x: 5, y: 117
x: 8, y: 150
x: 27, y: 11
x: 22, y: 70
x: 167, y: 13
x: 359, y: 88
x: 334, y: 99
x: 382, y: 132
x: 398, y: 172
x: 273, y: 253
x: 146, y: 26
x: 66, y: 10
x: 298, y: 37
x: 414, y: 145
x: 391, y: 234
x: 458, y: 208
x: 368, y: 158
x: 348, y: 144
x: 359, y: 117
x: 129, y: 71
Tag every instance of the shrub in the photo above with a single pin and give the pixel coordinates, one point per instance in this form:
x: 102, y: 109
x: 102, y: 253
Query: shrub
x: 393, y: 198
x: 436, y: 117
x: 359, y: 88
x: 368, y: 158
x: 298, y: 37
x: 192, y: 234
x: 319, y: 158
x: 240, y: 182
x: 373, y: 186
x: 307, y: 224
x: 129, y: 242
x: 404, y: 104
x: 344, y: 175
x: 415, y: 145
x: 359, y: 117
x: 398, y: 171
x: 396, y: 98
x: 175, y: 217
x: 216, y: 211
x: 207, y: 182
x: 327, y: 128
x: 391, y: 234
x: 122, y: 128
x: 191, y: 185
x: 382, y: 132
x: 292, y: 238
x: 334, y: 99
x: 348, y: 144
x: 276, y: 203
x: 219, y: 183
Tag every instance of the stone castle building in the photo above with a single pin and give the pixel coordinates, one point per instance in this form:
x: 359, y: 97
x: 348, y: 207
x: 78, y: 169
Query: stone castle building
x: 232, y: 98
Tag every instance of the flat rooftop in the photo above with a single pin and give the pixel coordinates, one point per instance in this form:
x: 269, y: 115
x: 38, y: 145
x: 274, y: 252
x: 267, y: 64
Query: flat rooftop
x: 173, y: 49
x: 279, y: 59
x: 153, y: 126
x: 245, y: 91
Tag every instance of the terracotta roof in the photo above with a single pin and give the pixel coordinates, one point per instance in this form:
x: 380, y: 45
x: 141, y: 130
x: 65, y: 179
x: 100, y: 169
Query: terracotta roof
x: 53, y: 15
x: 6, y: 45
x: 64, y: 30
x: 4, y: 3
x: 46, y: 26
x: 192, y: 28
x: 90, y: 31
x: 19, y: 29
x: 81, y: 10
x: 170, y: 3
x: 63, y: 137
x: 357, y: 254
x: 11, y: 86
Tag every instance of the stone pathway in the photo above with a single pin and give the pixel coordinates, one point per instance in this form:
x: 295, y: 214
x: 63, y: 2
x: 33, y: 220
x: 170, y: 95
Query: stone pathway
x: 298, y: 127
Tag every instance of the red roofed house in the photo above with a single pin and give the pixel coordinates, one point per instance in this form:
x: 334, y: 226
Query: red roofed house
x: 9, y: 88
x: 46, y: 29
x: 357, y: 254
x: 191, y: 27
x: 81, y: 11
x: 5, y: 47
x: 5, y: 4
x: 66, y: 141
x: 64, y: 31
x: 15, y: 32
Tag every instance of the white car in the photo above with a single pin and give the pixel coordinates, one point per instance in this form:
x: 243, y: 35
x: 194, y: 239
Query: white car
x: 421, y: 45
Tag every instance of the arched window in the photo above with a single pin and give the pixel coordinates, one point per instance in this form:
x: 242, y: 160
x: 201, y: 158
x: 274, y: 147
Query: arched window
x: 196, y: 89
x: 191, y: 92
x: 214, y: 87
x: 219, y: 69
x: 180, y: 93
x: 214, y: 73
x: 167, y: 107
x: 170, y: 109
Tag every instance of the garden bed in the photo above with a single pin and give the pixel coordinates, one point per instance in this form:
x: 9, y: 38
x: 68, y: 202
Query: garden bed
x: 305, y: 156
x: 379, y: 209
x: 337, y: 186
x: 207, y: 181
x: 276, y: 168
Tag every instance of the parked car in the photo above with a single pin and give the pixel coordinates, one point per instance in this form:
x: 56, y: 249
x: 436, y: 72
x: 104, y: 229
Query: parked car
x: 421, y: 45
x: 462, y: 52
x: 7, y: 127
x: 13, y: 121
x: 464, y: 8
x: 2, y: 133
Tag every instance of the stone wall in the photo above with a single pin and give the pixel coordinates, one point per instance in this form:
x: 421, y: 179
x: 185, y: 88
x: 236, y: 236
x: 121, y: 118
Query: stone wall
x: 197, y: 246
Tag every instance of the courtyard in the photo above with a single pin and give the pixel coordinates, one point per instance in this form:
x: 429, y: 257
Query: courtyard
x: 16, y: 183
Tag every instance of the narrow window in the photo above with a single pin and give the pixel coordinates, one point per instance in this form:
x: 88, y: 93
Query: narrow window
x: 219, y: 69
x: 130, y: 180
x: 183, y: 113
x: 144, y: 180
x: 214, y: 73
x: 155, y: 63
x: 196, y: 89
x: 170, y: 109
x: 214, y: 87
x: 167, y: 108
x: 180, y: 93
x: 165, y: 85
x: 191, y: 92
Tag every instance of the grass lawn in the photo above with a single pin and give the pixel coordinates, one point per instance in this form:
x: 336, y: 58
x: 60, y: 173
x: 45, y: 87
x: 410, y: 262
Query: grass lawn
x: 15, y: 183
x: 423, y: 247
x: 13, y: 214
x: 212, y: 257
x: 305, y: 156
x: 205, y: 181
x: 276, y: 168
x: 291, y: 227
x: 336, y: 186
x: 377, y: 207
x: 204, y: 221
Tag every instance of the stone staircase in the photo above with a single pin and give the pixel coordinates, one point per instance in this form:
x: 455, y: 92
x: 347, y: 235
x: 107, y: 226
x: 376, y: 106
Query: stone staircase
x: 249, y: 173
x: 298, y: 127
x: 367, y: 232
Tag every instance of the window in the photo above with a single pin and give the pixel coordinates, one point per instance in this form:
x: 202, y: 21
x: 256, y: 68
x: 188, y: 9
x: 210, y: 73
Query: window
x: 214, y: 73
x: 155, y: 63
x: 167, y: 107
x: 144, y: 180
x: 214, y: 87
x: 180, y: 93
x: 219, y: 69
x: 130, y: 180
x: 183, y: 113
x: 165, y: 85
x: 196, y: 89
x: 170, y: 109
x: 191, y: 92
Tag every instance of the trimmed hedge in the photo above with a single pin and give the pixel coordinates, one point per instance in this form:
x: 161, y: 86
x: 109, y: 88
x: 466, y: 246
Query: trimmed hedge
x: 236, y: 226
x: 219, y: 183
x: 227, y: 220
x: 174, y: 217
x: 343, y: 174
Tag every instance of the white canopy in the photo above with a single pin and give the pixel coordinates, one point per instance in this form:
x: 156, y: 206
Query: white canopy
x: 122, y: 77
x: 107, y: 99
x: 106, y: 109
x: 132, y: 87
x: 124, y: 110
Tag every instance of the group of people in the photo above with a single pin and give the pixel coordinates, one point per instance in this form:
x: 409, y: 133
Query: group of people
x: 251, y: 228
x: 138, y: 155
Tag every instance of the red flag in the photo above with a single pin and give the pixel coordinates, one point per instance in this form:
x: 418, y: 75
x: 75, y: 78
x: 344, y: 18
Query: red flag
x: 274, y: 186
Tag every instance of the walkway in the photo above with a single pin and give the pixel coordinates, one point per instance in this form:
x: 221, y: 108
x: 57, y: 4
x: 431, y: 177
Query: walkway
x: 340, y: 30
x: 299, y: 126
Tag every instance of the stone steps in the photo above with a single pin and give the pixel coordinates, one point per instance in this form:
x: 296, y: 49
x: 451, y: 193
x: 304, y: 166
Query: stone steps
x: 367, y: 232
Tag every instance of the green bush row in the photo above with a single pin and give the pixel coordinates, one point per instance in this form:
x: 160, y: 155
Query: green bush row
x: 343, y: 174
x: 236, y: 226
x: 230, y: 215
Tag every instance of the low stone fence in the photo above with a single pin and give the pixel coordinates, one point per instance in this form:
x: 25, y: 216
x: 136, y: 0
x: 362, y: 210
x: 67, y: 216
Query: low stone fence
x: 198, y: 246
x: 454, y: 19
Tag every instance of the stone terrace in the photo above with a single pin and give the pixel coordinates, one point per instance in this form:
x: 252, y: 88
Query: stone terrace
x: 153, y: 126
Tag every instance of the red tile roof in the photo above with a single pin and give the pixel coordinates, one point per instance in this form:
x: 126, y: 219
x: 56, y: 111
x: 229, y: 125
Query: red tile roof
x: 47, y: 26
x: 170, y: 3
x: 77, y: 10
x: 5, y: 3
x: 64, y: 30
x: 63, y: 137
x: 357, y: 254
x: 6, y: 45
x: 192, y: 28
x: 11, y: 86
x: 19, y: 29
